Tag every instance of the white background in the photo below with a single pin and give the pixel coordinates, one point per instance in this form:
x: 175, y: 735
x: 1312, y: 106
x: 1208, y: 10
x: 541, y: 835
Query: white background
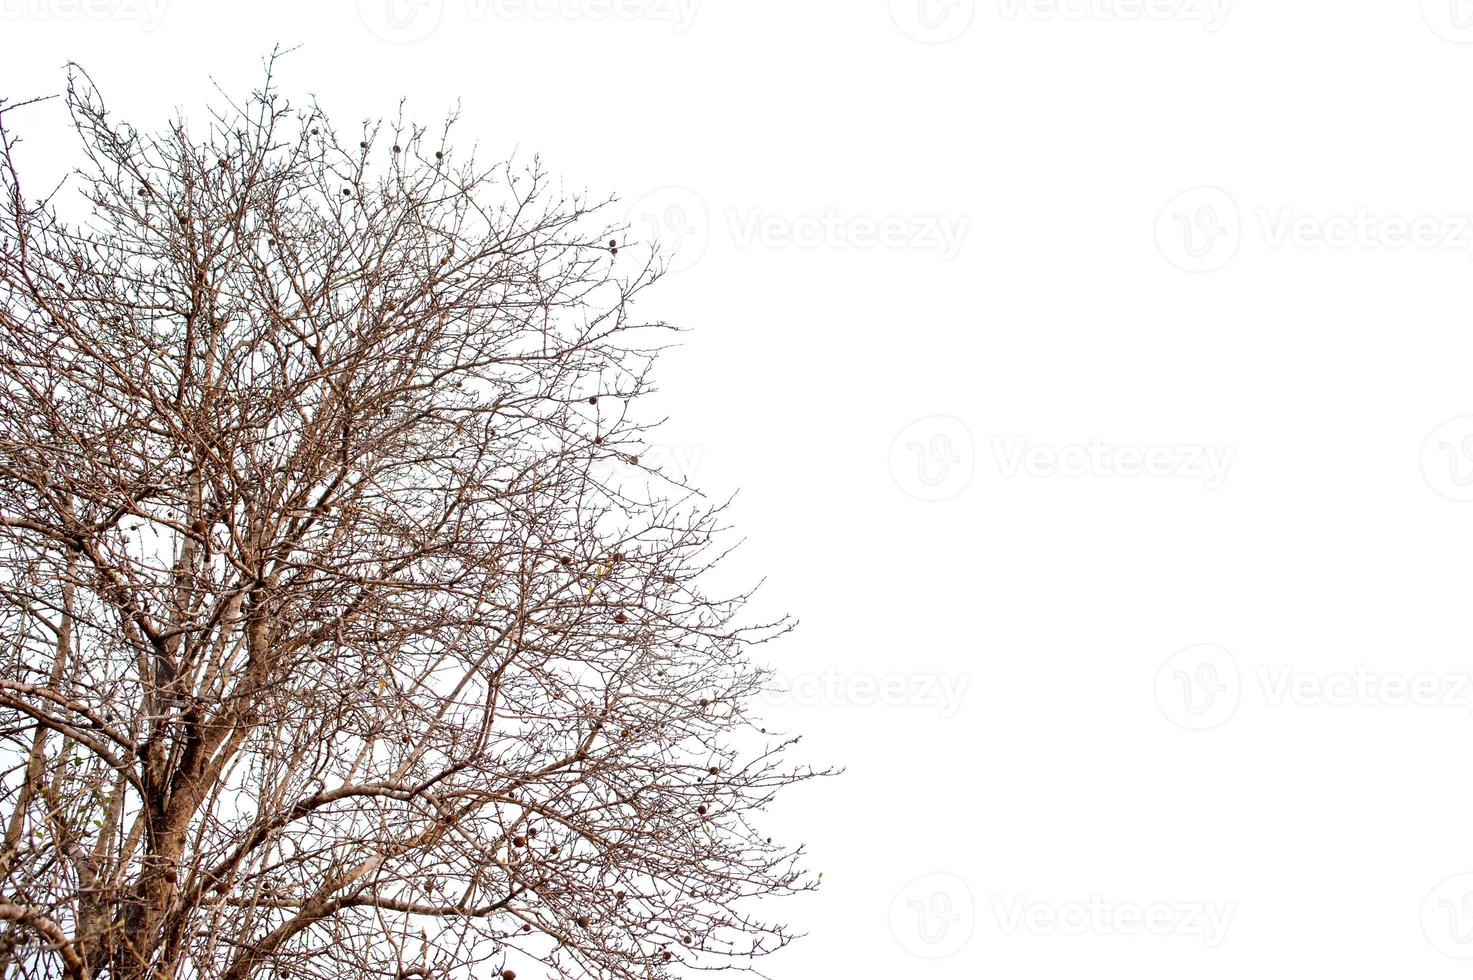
x: 1202, y: 227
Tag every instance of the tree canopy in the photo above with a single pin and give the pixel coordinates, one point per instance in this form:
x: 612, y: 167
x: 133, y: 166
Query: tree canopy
x: 332, y: 646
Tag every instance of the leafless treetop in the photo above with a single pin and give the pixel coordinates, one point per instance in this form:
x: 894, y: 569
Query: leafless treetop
x: 332, y: 646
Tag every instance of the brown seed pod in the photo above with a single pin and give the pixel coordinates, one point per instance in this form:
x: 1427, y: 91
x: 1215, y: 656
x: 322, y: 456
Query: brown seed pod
x: 713, y: 770
x: 621, y: 619
x: 363, y: 145
x: 519, y: 841
x: 439, y: 155
x: 593, y: 400
x: 508, y: 975
x: 701, y: 809
x: 705, y: 702
x: 582, y: 922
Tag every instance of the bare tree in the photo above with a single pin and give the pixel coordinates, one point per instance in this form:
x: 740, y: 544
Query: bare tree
x: 330, y: 646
